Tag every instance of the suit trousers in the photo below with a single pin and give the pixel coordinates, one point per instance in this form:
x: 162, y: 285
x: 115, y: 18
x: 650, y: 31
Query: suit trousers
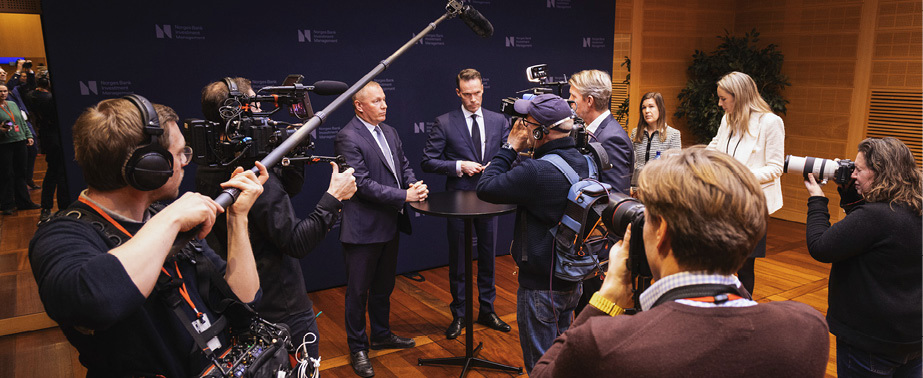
x: 484, y: 230
x: 13, y: 190
x: 370, y: 271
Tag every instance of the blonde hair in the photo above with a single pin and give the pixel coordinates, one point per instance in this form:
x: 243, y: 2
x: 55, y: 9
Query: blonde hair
x: 747, y: 100
x: 897, y: 178
x: 661, y: 119
x: 714, y: 208
x: 105, y: 135
x: 594, y: 83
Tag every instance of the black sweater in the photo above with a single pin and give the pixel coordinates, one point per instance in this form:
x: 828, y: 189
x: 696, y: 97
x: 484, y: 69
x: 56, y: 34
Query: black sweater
x: 540, y: 190
x: 279, y: 240
x: 875, y: 282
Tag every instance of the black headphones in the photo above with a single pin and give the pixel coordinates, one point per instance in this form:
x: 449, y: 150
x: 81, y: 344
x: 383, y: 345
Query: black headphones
x: 232, y: 87
x: 150, y: 165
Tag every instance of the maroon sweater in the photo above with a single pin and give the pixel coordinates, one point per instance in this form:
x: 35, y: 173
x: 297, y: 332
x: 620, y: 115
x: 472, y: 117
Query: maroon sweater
x: 777, y: 339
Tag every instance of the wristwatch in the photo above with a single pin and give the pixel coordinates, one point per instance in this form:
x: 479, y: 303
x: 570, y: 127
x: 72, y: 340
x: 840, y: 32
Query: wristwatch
x: 605, y: 305
x: 508, y: 146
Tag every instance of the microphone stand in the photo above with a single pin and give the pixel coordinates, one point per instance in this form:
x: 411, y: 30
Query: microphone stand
x: 228, y: 196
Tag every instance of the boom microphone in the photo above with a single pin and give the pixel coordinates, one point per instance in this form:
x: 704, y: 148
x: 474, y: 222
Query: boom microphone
x: 329, y: 87
x: 476, y: 21
x: 322, y: 87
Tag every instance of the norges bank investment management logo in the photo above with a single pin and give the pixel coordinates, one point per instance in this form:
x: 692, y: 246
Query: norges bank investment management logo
x: 183, y: 32
x: 88, y: 87
x: 317, y: 36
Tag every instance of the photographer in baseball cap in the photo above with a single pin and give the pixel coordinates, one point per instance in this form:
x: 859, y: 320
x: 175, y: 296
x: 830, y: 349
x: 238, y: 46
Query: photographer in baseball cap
x: 539, y: 190
x: 547, y: 112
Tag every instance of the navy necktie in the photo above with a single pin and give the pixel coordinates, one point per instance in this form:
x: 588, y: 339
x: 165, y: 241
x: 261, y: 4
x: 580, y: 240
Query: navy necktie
x: 476, y: 137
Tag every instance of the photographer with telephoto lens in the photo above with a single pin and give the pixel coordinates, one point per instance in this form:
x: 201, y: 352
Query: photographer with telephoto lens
x: 704, y: 213
x: 874, y: 293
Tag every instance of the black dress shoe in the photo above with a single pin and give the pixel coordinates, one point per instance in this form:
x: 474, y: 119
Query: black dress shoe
x: 46, y: 213
x: 8, y: 212
x: 455, y: 328
x: 493, y: 321
x: 362, y: 366
x: 33, y: 186
x: 393, y: 342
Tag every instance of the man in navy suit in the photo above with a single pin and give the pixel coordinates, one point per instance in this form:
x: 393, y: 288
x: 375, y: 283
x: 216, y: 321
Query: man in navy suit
x: 458, y: 145
x: 371, y: 221
x: 590, y: 91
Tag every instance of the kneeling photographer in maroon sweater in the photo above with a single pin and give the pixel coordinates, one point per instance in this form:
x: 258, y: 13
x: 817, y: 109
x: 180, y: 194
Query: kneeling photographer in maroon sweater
x: 704, y: 213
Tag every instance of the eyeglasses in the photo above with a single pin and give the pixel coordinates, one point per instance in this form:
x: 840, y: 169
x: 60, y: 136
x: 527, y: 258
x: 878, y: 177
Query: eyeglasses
x: 536, y: 124
x: 187, y: 155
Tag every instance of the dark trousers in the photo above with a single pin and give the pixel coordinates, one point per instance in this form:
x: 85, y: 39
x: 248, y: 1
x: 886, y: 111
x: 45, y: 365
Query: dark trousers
x: 484, y: 231
x: 13, y: 191
x: 370, y: 271
x: 55, y: 180
x: 31, y: 154
x: 745, y: 274
x: 300, y: 324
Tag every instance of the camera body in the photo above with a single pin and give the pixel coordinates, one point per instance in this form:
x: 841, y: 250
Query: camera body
x: 823, y: 169
x: 244, y: 138
x: 247, y: 133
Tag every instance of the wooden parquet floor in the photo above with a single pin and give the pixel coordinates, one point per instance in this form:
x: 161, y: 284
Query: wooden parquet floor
x: 418, y: 310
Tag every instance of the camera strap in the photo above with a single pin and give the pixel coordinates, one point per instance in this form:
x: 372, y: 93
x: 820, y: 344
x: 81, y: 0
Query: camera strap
x: 714, y: 293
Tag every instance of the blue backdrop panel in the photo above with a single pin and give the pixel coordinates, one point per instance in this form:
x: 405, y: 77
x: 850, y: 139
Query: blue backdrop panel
x: 168, y: 50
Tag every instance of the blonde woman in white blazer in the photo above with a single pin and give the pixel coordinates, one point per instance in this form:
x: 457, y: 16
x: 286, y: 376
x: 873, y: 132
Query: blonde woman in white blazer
x: 753, y: 135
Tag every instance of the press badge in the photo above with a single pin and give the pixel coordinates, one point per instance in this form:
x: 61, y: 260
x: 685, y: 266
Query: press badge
x: 200, y: 325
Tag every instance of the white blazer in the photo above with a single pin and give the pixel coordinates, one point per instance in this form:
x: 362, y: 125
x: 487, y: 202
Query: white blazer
x: 761, y: 149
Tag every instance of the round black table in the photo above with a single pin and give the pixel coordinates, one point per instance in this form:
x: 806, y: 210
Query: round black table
x: 464, y: 205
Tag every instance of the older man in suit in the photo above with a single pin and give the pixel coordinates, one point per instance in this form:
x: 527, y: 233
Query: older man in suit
x: 371, y: 221
x: 590, y: 91
x: 458, y: 146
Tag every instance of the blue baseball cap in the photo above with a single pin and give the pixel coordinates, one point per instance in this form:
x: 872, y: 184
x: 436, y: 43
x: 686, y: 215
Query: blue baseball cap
x: 548, y: 109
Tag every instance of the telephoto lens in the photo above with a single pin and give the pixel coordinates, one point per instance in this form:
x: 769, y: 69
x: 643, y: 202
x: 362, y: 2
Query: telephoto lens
x: 823, y: 169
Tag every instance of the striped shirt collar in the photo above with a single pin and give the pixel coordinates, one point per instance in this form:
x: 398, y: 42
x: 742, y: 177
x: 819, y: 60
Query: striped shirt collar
x: 665, y: 284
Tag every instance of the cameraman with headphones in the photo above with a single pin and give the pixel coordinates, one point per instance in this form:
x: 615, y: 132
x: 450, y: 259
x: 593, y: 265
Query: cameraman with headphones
x: 544, y: 305
x: 279, y: 238
x: 704, y: 212
x: 98, y: 263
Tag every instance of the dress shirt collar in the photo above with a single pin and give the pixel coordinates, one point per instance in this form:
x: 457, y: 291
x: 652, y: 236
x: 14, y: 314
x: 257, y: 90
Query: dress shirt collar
x: 369, y: 126
x: 598, y: 121
x: 665, y: 284
x: 468, y: 114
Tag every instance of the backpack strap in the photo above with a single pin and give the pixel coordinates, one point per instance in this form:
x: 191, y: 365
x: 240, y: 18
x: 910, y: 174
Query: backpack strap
x: 562, y: 166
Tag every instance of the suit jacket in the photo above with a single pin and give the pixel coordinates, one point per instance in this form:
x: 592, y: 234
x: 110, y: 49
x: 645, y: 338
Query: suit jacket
x: 621, y: 154
x: 376, y: 211
x: 449, y: 141
x: 762, y: 149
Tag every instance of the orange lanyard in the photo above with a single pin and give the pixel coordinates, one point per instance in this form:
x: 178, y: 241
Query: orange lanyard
x: 7, y: 111
x: 182, y: 290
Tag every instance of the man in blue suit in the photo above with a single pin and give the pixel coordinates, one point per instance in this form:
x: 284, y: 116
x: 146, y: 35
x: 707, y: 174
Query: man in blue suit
x: 371, y: 221
x: 590, y: 91
x: 458, y: 146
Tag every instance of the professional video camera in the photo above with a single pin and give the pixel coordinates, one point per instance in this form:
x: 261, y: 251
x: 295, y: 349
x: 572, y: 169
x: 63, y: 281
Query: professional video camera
x: 539, y: 74
x: 248, y: 133
x: 823, y: 169
x: 535, y: 74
